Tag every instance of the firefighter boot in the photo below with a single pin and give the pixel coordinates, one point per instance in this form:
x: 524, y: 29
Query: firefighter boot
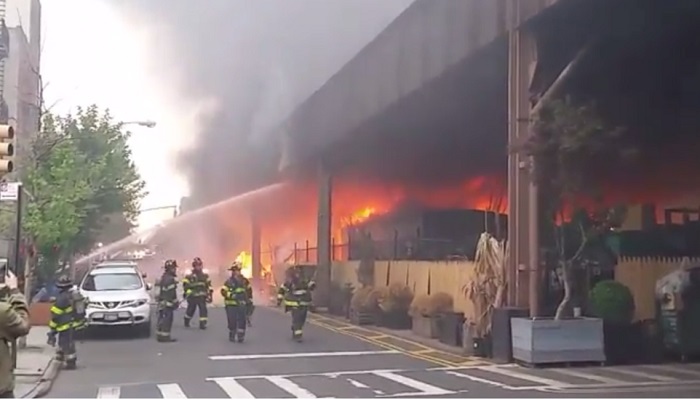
x: 72, y: 363
x: 240, y: 337
x: 187, y: 321
x: 202, y: 324
x: 166, y: 339
x: 297, y: 335
x: 232, y: 336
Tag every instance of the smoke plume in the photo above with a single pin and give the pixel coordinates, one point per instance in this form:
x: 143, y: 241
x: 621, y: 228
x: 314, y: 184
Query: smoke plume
x: 255, y: 61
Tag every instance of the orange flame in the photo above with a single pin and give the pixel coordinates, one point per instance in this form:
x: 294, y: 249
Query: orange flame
x: 246, y: 261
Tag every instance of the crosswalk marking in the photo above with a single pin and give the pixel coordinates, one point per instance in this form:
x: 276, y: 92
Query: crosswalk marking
x: 294, y: 385
x: 109, y: 392
x: 233, y: 389
x: 642, y: 374
x: 424, y: 388
x: 522, y: 376
x: 675, y: 369
x: 291, y: 388
x: 171, y: 391
x: 590, y: 377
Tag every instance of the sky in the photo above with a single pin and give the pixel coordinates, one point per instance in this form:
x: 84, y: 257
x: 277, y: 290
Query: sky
x: 102, y: 60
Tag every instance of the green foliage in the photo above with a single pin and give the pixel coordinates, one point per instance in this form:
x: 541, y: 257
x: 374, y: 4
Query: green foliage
x: 81, y: 171
x: 612, y: 301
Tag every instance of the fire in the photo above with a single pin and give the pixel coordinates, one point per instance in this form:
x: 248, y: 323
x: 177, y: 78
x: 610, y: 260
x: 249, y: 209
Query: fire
x: 246, y: 261
x: 360, y: 216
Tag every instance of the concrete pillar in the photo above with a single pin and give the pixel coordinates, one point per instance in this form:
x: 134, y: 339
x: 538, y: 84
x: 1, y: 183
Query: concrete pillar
x: 255, y: 248
x: 523, y: 225
x: 323, y: 235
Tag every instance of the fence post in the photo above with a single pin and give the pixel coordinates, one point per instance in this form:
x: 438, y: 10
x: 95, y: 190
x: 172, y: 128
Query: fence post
x: 295, y: 252
x: 332, y: 249
x: 306, y: 253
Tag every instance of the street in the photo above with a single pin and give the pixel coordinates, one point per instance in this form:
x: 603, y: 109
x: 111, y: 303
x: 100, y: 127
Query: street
x: 328, y: 364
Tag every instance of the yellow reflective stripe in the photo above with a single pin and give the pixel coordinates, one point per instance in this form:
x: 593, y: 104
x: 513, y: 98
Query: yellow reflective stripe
x: 185, y: 281
x: 159, y: 333
x: 188, y: 291
x: 52, y: 324
x: 239, y: 290
x: 203, y: 318
x: 291, y: 303
x: 230, y: 302
x: 61, y: 311
x: 169, y: 287
x: 298, y: 332
x: 59, y: 328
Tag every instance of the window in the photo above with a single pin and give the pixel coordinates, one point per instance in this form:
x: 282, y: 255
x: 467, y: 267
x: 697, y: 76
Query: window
x: 116, y: 281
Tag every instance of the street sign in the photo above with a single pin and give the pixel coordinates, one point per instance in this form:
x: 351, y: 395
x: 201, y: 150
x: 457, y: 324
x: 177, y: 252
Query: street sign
x: 9, y: 191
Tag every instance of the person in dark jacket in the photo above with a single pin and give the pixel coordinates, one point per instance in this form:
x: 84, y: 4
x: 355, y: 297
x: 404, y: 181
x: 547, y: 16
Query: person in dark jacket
x: 237, y: 295
x: 167, y: 302
x: 63, y: 322
x: 198, y: 293
x: 297, y: 299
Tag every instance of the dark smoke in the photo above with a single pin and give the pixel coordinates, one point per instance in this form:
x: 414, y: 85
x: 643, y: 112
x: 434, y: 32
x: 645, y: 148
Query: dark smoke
x: 258, y: 60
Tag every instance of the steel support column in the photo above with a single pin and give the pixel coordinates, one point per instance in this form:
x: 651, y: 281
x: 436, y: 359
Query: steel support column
x: 523, y: 226
x: 323, y: 235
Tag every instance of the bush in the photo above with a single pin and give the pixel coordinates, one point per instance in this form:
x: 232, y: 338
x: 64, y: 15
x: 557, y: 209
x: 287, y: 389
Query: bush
x: 431, y: 305
x: 611, y: 301
x: 395, y: 298
x: 364, y: 299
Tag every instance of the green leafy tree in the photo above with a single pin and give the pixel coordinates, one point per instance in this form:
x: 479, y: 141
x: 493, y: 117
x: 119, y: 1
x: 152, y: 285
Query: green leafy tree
x: 81, y: 179
x: 572, y: 147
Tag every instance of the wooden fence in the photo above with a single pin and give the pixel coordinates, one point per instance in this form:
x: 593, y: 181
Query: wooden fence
x: 425, y: 277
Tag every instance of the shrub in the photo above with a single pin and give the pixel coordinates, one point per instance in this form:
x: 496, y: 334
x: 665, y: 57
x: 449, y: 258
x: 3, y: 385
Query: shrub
x: 439, y: 303
x: 395, y: 298
x: 364, y: 299
x: 611, y: 301
x: 419, y: 305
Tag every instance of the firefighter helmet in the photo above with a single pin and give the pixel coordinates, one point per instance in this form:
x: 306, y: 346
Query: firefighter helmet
x: 197, y: 262
x: 64, y: 282
x: 170, y: 264
x: 235, y: 266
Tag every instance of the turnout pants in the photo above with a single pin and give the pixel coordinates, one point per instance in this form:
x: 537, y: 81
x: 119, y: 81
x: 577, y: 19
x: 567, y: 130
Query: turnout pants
x: 66, y: 347
x: 165, y: 323
x: 298, y: 320
x: 194, y: 303
x: 236, y: 317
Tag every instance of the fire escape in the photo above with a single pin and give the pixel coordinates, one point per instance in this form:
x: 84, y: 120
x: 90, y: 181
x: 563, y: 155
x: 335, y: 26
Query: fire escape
x: 4, y: 52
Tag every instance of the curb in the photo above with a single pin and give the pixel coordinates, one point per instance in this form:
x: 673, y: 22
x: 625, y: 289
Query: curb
x: 43, y: 386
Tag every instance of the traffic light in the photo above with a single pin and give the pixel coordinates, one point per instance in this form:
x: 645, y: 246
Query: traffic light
x: 7, y: 149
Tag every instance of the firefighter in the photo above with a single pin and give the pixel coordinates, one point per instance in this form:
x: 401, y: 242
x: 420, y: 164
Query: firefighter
x: 198, y: 293
x: 63, y: 321
x: 237, y: 295
x: 297, y: 299
x: 166, y: 297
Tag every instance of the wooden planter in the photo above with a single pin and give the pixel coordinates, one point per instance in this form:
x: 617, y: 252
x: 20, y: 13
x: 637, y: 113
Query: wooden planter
x: 546, y: 340
x: 393, y: 320
x: 361, y: 318
x: 39, y: 314
x: 427, y: 327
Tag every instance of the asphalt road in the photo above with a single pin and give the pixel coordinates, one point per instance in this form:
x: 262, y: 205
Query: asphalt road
x: 328, y: 364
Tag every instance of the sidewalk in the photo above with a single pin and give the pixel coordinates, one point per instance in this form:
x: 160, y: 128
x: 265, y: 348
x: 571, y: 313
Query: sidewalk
x: 36, y: 367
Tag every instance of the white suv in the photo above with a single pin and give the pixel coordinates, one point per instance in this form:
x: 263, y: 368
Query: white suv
x: 118, y: 295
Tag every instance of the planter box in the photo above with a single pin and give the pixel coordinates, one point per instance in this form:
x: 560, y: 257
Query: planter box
x: 427, y: 327
x: 451, y: 328
x: 361, y: 318
x: 393, y: 320
x: 40, y: 314
x: 542, y: 341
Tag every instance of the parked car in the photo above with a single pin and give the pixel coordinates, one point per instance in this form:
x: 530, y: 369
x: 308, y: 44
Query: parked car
x: 118, y: 296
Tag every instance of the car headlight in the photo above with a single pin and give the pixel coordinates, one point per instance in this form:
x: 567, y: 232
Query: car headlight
x: 140, y: 302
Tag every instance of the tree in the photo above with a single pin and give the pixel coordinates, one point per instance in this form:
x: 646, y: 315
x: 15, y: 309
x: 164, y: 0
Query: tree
x: 572, y: 147
x: 81, y: 172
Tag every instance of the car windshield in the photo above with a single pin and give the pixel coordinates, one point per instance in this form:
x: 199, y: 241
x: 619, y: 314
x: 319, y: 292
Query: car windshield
x: 116, y: 281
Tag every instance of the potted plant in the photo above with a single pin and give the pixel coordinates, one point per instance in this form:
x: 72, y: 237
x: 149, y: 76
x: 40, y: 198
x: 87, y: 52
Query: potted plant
x: 613, y: 302
x: 363, y: 306
x: 570, y: 148
x: 393, y: 303
x: 425, y: 312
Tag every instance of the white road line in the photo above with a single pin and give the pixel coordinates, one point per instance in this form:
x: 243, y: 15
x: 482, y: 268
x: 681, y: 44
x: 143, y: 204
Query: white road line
x: 642, y: 374
x: 172, y: 391
x: 675, y: 369
x: 232, y: 388
x: 357, y: 384
x: 478, y: 380
x: 291, y: 388
x: 424, y: 388
x: 523, y: 376
x: 301, y: 355
x: 108, y: 392
x: 587, y: 376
